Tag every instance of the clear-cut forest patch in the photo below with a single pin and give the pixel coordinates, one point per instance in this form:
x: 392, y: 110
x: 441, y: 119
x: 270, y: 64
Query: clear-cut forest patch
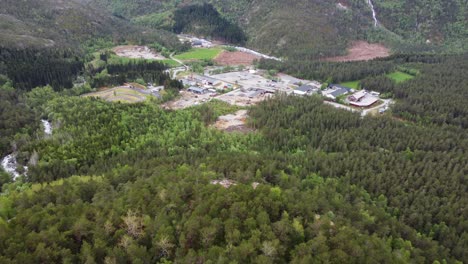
x: 363, y: 51
x: 235, y: 58
x: 137, y: 52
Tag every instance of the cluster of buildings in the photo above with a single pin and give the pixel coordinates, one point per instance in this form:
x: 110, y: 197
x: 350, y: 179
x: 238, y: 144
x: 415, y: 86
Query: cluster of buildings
x: 255, y: 87
x: 196, y: 42
x: 307, y: 89
x: 362, y: 98
x: 201, y: 84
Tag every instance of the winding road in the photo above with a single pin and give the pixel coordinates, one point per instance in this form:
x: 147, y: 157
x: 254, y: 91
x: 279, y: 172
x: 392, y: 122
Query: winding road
x: 182, y: 68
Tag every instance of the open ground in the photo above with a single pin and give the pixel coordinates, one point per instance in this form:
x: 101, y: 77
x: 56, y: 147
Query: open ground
x: 187, y: 99
x: 362, y: 51
x: 235, y: 58
x: 137, y: 52
x: 233, y: 122
x: 124, y: 94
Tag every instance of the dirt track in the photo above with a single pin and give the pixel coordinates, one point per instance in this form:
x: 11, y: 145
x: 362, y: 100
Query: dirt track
x: 362, y: 51
x: 235, y: 58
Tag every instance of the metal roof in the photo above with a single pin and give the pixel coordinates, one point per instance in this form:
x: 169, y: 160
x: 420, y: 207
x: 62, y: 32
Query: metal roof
x: 339, y: 92
x: 196, y: 89
x: 305, y: 88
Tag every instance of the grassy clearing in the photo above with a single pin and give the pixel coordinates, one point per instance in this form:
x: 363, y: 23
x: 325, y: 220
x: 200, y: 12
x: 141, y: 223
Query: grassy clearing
x: 353, y: 84
x: 200, y: 54
x: 170, y: 63
x: 119, y: 94
x: 399, y: 76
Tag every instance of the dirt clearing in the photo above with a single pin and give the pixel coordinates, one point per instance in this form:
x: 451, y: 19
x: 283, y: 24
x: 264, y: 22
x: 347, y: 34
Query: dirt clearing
x: 233, y: 122
x: 362, y: 51
x: 137, y: 52
x: 187, y: 99
x: 235, y: 58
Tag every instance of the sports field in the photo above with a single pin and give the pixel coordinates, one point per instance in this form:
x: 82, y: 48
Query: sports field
x: 199, y: 54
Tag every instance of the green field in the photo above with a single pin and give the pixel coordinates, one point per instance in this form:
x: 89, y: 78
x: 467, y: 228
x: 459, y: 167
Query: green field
x: 199, y: 54
x: 170, y: 63
x: 399, y: 76
x: 353, y: 84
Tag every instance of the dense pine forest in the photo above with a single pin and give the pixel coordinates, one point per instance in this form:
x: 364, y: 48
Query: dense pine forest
x: 206, y: 21
x: 131, y: 182
x: 136, y: 183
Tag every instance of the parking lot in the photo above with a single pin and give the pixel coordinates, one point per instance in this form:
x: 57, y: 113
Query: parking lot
x: 243, y: 97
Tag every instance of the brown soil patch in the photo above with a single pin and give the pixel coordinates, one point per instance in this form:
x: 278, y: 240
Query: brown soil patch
x: 137, y: 52
x: 362, y: 51
x: 235, y: 58
x: 233, y: 122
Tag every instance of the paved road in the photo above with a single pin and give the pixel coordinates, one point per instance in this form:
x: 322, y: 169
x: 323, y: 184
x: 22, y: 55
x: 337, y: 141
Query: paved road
x: 337, y: 105
x: 386, y: 104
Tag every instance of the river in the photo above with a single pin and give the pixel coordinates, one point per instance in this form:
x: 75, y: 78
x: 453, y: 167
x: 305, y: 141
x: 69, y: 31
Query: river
x: 9, y: 165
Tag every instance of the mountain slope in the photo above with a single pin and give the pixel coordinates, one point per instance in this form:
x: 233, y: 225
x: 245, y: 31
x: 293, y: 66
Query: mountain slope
x: 46, y: 23
x: 315, y: 28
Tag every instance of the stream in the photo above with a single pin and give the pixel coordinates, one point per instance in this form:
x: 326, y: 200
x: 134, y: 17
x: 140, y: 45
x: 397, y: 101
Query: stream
x: 9, y: 163
x: 47, y: 127
x: 374, y: 15
x: 246, y: 50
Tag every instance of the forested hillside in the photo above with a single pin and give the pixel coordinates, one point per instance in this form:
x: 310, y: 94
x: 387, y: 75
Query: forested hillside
x: 133, y: 182
x: 433, y: 21
x: 54, y: 23
x: 311, y: 29
x: 298, y: 29
x: 122, y: 182
x: 154, y: 199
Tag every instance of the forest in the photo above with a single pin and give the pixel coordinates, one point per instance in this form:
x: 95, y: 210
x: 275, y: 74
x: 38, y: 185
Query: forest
x: 134, y: 183
x: 206, y: 21
x: 435, y: 97
x: 119, y: 183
